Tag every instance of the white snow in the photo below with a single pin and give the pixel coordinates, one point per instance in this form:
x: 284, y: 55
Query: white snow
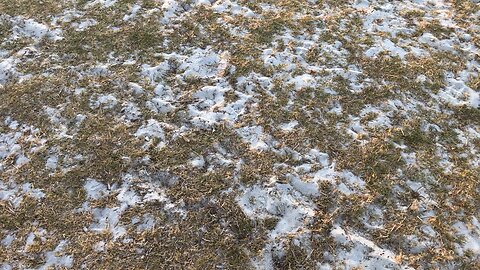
x: 107, y: 101
x: 280, y: 200
x: 387, y: 45
x: 148, y: 223
x: 197, y: 162
x: 153, y: 73
x: 169, y: 8
x: 131, y: 111
x: 7, y: 70
x: 202, y: 63
x: 103, y: 3
x: 55, y: 259
x: 84, y: 24
x: 94, y: 189
x: 471, y: 237
x: 133, y: 12
x: 457, y: 93
x: 255, y: 137
x: 32, y: 29
x: 303, y: 81
x: 8, y: 240
x: 106, y: 219
x: 290, y: 126
x: 15, y: 193
x: 159, y: 105
x: 306, y: 188
x: 361, y: 252
x: 52, y: 162
x: 152, y: 129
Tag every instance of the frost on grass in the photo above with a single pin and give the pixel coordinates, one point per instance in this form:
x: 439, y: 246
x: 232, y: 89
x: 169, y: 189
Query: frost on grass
x: 239, y: 134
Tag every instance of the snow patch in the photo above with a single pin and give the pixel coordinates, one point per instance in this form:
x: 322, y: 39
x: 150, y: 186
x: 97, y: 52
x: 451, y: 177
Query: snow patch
x: 255, y: 137
x: 94, y: 189
x: 32, y: 29
x: 471, y: 237
x: 361, y: 252
x: 152, y: 129
x: 281, y: 201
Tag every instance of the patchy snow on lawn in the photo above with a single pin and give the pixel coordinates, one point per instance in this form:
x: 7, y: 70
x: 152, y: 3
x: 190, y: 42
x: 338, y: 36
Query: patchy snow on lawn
x: 229, y: 134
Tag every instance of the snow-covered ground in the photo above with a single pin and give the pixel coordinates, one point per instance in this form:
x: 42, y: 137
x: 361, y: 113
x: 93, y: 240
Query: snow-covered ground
x: 202, y: 134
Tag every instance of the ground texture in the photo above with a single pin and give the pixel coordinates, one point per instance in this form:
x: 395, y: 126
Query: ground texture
x: 269, y: 134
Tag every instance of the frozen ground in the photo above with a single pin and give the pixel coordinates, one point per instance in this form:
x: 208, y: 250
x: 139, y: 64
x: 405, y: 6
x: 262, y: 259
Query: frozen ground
x: 269, y: 134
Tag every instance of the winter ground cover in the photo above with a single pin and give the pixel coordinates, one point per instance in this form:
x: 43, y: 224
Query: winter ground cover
x: 269, y: 134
